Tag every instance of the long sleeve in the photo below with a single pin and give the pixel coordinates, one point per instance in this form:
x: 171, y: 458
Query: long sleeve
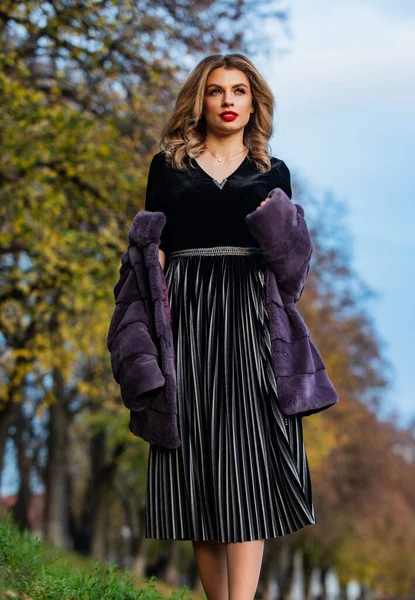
x: 134, y: 355
x: 285, y: 179
x: 156, y: 192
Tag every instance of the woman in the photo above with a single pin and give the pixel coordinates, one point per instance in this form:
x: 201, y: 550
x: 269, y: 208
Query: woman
x: 241, y: 473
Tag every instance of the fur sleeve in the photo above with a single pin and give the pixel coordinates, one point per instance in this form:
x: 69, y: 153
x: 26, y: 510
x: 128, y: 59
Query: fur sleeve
x: 134, y: 355
x: 281, y: 230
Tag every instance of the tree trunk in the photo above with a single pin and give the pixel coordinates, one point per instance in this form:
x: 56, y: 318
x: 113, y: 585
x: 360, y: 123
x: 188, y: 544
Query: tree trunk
x: 366, y: 593
x: 308, y: 572
x: 195, y: 582
x: 8, y: 416
x: 57, y: 468
x: 140, y: 558
x: 323, y: 575
x: 285, y: 571
x: 99, y: 527
x: 21, y: 508
x: 166, y: 567
x: 343, y: 591
x: 139, y: 547
x: 172, y: 574
x: 103, y: 480
x: 268, y: 570
x: 90, y: 533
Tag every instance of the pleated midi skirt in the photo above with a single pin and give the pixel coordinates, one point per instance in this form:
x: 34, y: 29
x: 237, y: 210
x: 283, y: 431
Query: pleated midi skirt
x: 241, y: 472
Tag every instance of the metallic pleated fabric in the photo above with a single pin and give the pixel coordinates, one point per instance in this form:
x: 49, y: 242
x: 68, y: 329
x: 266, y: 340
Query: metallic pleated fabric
x: 241, y: 472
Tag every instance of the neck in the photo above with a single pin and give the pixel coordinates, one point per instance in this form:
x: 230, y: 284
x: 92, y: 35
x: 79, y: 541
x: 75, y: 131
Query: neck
x: 225, y: 147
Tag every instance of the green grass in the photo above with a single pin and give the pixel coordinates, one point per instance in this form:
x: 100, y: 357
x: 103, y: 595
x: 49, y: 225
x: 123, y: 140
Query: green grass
x: 28, y: 566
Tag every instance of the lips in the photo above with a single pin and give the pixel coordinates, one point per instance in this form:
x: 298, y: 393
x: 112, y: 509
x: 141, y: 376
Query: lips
x: 228, y: 115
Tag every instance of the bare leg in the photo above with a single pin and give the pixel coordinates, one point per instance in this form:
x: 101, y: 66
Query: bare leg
x: 244, y: 567
x: 211, y: 563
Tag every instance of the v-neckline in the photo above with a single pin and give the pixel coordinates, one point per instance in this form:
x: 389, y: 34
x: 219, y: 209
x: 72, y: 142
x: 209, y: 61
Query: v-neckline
x: 222, y: 183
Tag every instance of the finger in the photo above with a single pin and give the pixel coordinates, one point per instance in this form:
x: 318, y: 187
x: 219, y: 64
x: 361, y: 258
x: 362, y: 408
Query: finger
x: 263, y: 202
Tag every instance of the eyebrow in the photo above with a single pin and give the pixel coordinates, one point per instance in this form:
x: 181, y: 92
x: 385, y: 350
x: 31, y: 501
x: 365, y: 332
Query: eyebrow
x: 235, y: 85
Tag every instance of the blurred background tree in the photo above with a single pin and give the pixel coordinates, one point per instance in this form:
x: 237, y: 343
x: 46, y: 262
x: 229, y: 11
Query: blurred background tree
x: 84, y: 90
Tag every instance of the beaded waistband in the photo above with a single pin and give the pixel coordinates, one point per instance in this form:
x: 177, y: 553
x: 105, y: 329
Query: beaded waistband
x: 216, y: 250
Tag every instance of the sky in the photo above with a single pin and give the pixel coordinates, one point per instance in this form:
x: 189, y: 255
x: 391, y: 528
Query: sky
x: 345, y: 122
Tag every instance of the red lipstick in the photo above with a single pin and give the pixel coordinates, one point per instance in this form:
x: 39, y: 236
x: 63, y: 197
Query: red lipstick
x: 228, y: 115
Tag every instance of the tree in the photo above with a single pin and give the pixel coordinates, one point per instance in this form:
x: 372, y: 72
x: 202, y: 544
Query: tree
x: 84, y: 89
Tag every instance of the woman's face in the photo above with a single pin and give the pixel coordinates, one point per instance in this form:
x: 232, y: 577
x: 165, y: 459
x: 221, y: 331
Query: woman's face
x: 227, y: 90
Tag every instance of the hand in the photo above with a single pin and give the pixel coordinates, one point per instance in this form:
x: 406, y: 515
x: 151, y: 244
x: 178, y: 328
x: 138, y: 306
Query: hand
x: 263, y: 202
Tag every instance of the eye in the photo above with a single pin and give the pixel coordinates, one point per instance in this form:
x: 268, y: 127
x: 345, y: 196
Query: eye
x: 218, y: 90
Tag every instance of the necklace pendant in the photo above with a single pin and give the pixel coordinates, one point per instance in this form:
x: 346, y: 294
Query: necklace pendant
x: 219, y: 160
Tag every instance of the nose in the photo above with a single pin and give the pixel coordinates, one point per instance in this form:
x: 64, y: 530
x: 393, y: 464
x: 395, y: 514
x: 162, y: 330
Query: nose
x: 227, y: 100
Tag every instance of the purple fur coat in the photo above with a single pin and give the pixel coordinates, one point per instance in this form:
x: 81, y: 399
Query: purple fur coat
x: 140, y: 338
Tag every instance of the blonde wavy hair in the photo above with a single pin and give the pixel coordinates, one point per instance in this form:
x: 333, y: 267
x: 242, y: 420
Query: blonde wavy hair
x: 184, y: 132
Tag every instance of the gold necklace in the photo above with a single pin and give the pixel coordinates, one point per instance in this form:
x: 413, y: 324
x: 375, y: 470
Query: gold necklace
x: 229, y: 157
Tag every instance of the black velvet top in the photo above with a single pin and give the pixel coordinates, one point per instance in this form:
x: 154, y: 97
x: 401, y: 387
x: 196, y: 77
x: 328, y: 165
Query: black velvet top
x: 200, y: 212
